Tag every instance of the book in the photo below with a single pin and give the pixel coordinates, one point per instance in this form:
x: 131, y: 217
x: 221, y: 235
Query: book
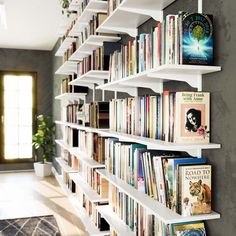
x: 192, y: 118
x: 189, y: 229
x: 197, y: 39
x: 194, y: 189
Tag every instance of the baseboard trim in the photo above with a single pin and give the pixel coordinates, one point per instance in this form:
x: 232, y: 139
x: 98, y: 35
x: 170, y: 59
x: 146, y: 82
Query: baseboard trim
x: 16, y: 171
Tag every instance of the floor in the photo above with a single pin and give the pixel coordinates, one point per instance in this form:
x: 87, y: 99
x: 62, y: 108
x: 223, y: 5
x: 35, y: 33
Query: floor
x: 24, y: 194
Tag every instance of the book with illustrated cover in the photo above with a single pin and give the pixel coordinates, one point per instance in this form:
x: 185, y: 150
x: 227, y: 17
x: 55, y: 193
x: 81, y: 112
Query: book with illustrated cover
x: 192, y: 118
x: 194, y: 189
x: 189, y: 229
x: 197, y: 39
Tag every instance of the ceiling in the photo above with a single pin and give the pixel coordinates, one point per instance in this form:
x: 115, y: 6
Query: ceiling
x: 31, y: 24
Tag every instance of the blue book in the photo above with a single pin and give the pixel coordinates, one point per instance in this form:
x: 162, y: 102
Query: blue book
x: 197, y: 39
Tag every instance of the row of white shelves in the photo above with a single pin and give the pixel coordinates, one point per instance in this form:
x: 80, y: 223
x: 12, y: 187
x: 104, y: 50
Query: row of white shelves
x: 84, y: 157
x: 154, y: 207
x: 80, y: 211
x: 151, y: 143
x: 94, y: 6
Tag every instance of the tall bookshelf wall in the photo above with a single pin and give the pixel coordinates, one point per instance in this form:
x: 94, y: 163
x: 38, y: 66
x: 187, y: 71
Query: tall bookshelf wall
x: 177, y: 86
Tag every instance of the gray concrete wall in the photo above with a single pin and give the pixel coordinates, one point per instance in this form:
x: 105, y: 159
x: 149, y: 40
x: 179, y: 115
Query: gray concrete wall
x: 31, y: 61
x: 222, y: 86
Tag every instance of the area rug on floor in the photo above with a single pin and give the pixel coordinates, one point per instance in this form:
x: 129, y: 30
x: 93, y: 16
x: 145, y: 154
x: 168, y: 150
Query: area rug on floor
x: 32, y: 226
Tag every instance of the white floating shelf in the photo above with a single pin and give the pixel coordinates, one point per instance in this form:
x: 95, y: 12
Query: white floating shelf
x: 64, y: 25
x: 64, y: 46
x: 137, y: 10
x: 67, y: 68
x: 74, y: 5
x: 79, y: 127
x: 114, y: 221
x: 163, y: 213
x: 158, y: 144
x: 92, y: 76
x: 86, y: 189
x: 154, y: 78
x: 62, y: 144
x: 151, y: 143
x: 71, y: 96
x: 93, y: 7
x: 80, y: 211
x: 91, y: 43
x: 84, y: 157
x: 64, y: 165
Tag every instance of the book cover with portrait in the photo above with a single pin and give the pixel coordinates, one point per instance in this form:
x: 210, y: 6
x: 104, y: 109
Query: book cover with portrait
x: 192, y: 120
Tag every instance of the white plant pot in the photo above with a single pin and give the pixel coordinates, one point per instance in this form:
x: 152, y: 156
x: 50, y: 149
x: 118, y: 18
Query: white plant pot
x: 43, y: 169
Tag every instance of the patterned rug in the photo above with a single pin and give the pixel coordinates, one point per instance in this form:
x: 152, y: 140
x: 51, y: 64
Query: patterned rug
x: 32, y: 226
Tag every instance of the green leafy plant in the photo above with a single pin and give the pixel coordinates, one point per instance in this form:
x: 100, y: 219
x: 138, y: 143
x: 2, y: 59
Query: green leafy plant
x: 65, y: 7
x: 43, y: 139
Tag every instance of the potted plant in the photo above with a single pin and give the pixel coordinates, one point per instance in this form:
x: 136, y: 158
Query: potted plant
x: 65, y: 7
x: 44, y: 145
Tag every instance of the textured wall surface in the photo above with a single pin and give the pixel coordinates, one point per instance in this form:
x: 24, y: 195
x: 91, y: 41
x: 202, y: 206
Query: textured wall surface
x: 223, y: 109
x: 222, y: 86
x: 30, y: 61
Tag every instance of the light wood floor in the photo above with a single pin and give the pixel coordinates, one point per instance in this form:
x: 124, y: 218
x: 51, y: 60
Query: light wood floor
x: 24, y: 195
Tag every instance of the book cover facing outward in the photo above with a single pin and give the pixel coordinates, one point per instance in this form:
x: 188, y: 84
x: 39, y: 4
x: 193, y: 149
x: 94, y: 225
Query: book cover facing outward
x: 192, y: 118
x: 189, y: 229
x: 194, y: 189
x: 197, y: 39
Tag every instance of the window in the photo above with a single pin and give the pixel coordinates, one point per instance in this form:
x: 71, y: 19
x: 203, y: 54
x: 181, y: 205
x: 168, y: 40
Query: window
x: 17, y: 114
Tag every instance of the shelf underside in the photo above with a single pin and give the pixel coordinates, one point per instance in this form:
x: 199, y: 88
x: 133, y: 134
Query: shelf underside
x: 91, y: 77
x: 64, y: 46
x: 71, y: 96
x: 91, y: 43
x: 154, y: 78
x: 67, y: 68
x: 137, y: 10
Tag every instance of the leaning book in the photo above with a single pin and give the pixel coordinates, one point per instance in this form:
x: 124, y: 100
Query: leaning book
x: 194, y: 196
x: 192, y: 119
x: 196, y: 38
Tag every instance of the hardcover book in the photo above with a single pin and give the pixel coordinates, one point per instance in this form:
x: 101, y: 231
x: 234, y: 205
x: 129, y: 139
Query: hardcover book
x: 194, y: 189
x: 196, y: 39
x: 192, y: 117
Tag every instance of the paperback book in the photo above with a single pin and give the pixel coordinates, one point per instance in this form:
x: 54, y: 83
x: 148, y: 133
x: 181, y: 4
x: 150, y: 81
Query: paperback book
x: 194, y: 189
x: 192, y: 117
x: 196, y: 39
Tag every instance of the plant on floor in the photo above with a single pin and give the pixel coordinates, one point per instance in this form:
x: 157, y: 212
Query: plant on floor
x: 43, y: 139
x: 65, y: 7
